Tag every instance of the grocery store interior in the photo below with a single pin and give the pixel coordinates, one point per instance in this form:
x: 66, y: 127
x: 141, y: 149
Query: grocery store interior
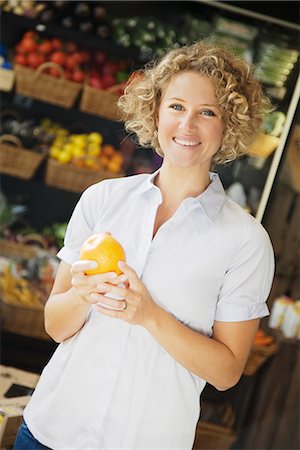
x: 63, y: 66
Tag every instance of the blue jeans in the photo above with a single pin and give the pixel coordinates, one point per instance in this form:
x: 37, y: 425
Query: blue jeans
x: 25, y: 440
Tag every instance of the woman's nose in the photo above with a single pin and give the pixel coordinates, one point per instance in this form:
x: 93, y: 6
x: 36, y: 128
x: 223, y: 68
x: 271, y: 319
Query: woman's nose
x: 187, y: 122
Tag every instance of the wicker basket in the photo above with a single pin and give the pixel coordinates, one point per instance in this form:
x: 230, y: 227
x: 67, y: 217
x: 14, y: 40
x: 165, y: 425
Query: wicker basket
x: 11, y: 249
x: 100, y: 102
x: 22, y: 301
x: 38, y: 85
x: 7, y: 79
x: 16, y: 160
x: 27, y: 320
x: 258, y: 355
x: 72, y: 178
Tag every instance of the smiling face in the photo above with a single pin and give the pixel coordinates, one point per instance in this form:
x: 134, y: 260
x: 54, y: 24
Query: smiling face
x: 190, y: 126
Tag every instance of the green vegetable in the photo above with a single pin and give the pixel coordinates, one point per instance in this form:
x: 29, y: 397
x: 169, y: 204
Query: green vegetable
x: 273, y: 124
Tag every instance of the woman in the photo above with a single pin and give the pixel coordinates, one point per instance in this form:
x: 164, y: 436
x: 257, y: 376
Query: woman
x: 129, y: 371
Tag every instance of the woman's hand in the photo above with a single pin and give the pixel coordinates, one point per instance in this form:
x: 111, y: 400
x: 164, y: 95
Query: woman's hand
x: 87, y: 286
x: 135, y: 306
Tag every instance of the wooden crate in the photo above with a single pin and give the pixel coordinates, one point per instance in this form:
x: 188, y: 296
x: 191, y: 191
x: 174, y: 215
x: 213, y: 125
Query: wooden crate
x: 72, y: 178
x: 13, y: 407
x: 16, y: 160
x: 100, y: 102
x: 38, y: 85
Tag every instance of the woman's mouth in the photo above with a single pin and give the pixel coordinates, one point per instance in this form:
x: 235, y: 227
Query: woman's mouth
x: 186, y: 142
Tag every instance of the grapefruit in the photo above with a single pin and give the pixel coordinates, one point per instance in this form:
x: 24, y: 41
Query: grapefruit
x: 105, y: 250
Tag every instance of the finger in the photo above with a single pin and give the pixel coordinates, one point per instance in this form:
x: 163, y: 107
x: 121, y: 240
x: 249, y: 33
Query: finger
x: 121, y: 279
x: 110, y: 312
x: 108, y: 302
x: 82, y: 266
x: 127, y: 270
x: 116, y: 290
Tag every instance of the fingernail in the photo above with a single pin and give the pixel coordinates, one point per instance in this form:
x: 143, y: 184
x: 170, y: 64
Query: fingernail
x: 101, y: 286
x: 92, y: 265
x: 121, y: 264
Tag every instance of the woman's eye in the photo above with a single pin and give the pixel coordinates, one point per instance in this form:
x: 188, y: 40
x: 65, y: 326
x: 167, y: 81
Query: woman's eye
x: 176, y: 107
x: 208, y: 112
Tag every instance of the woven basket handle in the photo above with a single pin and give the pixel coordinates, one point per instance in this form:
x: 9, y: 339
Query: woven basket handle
x: 47, y: 65
x: 12, y: 139
x: 35, y: 239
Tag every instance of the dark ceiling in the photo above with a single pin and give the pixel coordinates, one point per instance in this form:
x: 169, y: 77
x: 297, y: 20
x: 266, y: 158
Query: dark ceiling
x: 284, y: 10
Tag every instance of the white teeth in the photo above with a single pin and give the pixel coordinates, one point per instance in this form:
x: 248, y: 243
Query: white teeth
x: 187, y: 143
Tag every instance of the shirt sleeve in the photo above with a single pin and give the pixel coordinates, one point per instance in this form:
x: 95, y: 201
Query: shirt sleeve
x: 247, y: 283
x: 82, y: 222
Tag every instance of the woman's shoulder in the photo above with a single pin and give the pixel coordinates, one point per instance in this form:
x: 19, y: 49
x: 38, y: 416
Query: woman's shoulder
x: 123, y: 184
x: 244, y: 225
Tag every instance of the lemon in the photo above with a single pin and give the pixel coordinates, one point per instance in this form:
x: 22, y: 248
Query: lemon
x: 54, y: 151
x: 96, y: 138
x: 64, y: 157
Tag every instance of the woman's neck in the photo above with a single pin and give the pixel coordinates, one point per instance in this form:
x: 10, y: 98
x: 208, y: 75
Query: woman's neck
x: 177, y: 183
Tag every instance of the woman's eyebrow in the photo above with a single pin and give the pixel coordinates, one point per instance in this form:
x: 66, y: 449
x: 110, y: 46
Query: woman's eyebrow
x: 200, y: 104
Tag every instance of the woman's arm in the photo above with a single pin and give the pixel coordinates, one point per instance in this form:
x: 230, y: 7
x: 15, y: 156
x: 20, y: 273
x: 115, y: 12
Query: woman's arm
x: 219, y: 360
x: 71, y: 298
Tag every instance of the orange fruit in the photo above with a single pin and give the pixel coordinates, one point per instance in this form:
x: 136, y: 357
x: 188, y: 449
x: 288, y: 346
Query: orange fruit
x: 105, y: 250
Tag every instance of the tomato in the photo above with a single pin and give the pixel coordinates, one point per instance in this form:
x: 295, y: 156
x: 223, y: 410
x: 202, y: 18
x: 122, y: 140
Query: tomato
x: 35, y: 60
x: 58, y: 58
x: 70, y: 47
x: 108, y: 81
x: 29, y: 44
x: 95, y: 82
x: 21, y: 59
x: 56, y: 44
x: 54, y: 72
x: 78, y: 76
x: 110, y: 68
x: 84, y: 56
x: 100, y: 57
x: 72, y: 61
x: 20, y: 49
x: 45, y: 47
x: 31, y: 34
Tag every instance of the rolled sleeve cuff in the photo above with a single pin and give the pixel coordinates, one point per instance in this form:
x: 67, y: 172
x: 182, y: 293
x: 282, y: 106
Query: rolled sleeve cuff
x: 67, y: 255
x: 238, y: 313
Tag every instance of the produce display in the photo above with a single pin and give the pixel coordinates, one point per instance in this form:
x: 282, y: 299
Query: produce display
x: 262, y: 338
x: 31, y: 133
x: 78, y: 64
x: 237, y: 35
x: 85, y: 150
x: 28, y: 8
x: 85, y: 17
x: 105, y: 250
x: 275, y: 61
x: 268, y: 140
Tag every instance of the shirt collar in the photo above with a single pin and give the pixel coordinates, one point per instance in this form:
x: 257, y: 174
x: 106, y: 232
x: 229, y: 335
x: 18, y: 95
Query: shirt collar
x: 147, y: 184
x: 213, y: 198
x: 210, y: 201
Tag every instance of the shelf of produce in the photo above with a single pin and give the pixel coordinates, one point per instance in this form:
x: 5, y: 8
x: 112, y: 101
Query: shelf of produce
x: 27, y: 23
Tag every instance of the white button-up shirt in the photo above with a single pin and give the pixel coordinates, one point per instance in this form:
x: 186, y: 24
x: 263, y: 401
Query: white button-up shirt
x: 112, y: 386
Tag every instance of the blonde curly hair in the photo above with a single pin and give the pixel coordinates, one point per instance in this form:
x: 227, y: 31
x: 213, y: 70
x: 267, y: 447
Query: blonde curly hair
x: 240, y: 96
